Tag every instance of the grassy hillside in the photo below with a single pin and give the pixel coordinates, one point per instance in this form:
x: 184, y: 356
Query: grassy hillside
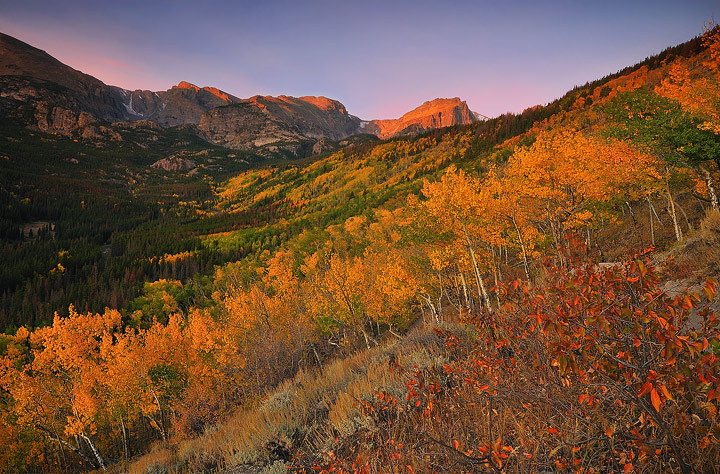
x: 195, y: 293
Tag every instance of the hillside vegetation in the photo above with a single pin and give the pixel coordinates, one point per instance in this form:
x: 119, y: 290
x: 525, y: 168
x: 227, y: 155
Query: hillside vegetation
x: 253, y: 319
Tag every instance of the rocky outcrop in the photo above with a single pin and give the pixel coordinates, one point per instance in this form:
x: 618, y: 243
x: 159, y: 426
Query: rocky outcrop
x: 432, y: 114
x: 323, y: 146
x: 261, y: 121
x: 55, y: 119
x: 174, y: 163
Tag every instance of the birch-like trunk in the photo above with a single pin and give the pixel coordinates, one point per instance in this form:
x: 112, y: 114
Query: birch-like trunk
x: 587, y: 231
x: 161, y: 425
x: 652, y: 208
x: 522, y: 246
x: 673, y: 214
x: 711, y: 188
x: 465, y: 293
x: 652, y: 226
x: 431, y: 306
x: 485, y: 295
x: 555, y: 233
x: 98, y: 458
x: 482, y: 292
x: 125, y: 442
x: 497, y: 283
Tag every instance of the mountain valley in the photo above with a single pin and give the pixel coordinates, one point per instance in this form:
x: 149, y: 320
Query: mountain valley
x: 193, y: 282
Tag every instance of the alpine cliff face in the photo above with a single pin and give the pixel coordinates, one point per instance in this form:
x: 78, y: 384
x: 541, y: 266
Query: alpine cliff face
x: 432, y: 114
x: 182, y: 104
x: 44, y: 94
x: 261, y: 121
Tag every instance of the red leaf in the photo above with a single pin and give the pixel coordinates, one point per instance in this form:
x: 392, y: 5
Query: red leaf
x: 688, y: 302
x: 645, y: 389
x: 665, y: 392
x: 655, y: 398
x: 553, y: 430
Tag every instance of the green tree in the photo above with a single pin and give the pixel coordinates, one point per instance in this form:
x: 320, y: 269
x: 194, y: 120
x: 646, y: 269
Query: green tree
x: 662, y: 126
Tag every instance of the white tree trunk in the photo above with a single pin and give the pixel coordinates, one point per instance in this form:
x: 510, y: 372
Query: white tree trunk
x: 482, y: 292
x: 465, y: 293
x: 96, y: 453
x: 125, y: 442
x: 652, y: 226
x: 522, y: 246
x: 673, y: 214
x: 161, y: 425
x: 711, y: 188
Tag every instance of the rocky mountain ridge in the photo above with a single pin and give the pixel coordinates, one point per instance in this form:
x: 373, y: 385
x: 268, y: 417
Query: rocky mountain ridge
x: 45, y: 94
x: 260, y: 121
x: 432, y: 114
x: 180, y: 105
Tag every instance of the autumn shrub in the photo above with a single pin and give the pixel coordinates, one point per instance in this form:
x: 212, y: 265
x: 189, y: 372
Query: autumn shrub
x: 589, y: 370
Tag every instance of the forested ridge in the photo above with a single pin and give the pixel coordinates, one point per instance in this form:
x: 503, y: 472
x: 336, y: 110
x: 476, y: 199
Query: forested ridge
x: 529, y: 293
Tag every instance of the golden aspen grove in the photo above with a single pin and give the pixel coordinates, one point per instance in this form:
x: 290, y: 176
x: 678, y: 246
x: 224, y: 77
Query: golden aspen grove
x: 530, y: 293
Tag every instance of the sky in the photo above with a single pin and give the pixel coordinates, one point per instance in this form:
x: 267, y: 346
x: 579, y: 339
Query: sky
x: 379, y: 58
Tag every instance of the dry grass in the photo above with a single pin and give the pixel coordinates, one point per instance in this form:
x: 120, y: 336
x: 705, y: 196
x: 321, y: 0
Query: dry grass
x: 700, y: 253
x: 304, y: 414
x: 157, y: 461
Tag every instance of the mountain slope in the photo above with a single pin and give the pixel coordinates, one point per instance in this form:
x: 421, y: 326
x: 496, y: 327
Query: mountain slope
x: 81, y: 92
x: 41, y: 92
x: 432, y: 114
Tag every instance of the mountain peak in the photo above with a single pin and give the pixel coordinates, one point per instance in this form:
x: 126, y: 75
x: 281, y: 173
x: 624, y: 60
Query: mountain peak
x: 224, y: 96
x: 323, y: 103
x: 434, y: 113
x: 186, y: 85
x: 444, y: 100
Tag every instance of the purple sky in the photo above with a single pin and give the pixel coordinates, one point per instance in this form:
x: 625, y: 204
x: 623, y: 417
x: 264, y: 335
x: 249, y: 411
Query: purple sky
x: 380, y: 58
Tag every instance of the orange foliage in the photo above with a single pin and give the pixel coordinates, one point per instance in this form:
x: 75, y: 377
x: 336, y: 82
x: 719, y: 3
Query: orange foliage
x: 697, y: 88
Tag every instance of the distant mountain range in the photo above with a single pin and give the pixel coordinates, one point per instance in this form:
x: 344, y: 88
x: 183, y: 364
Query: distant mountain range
x: 43, y: 93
